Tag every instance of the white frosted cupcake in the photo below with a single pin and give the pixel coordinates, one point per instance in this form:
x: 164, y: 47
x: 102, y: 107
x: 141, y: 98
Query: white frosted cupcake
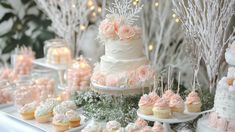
x: 60, y: 109
x: 112, y: 126
x: 69, y: 104
x: 157, y: 127
x: 146, y: 129
x: 93, y: 126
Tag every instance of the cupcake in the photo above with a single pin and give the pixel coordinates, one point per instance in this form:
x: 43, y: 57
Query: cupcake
x: 177, y: 103
x: 154, y: 97
x: 146, y: 129
x: 59, y: 109
x: 157, y: 127
x: 69, y: 104
x: 112, y: 126
x: 141, y: 123
x: 93, y: 126
x: 60, y: 123
x: 121, y: 129
x: 167, y: 95
x: 27, y: 111
x: 74, y: 118
x: 193, y: 102
x: 161, y: 109
x: 146, y: 105
x: 43, y: 114
x: 51, y: 103
x: 132, y: 127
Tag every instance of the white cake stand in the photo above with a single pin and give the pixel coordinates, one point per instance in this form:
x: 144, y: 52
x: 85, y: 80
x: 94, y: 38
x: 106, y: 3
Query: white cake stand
x: 59, y: 68
x: 117, y: 90
x: 176, y: 118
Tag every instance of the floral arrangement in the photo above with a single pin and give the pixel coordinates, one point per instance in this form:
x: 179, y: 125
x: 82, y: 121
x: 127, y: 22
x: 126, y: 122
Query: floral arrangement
x: 119, y: 23
x: 142, y: 76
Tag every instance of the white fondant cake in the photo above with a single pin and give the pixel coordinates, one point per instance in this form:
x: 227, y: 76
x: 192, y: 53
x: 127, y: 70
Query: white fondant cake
x: 124, y: 63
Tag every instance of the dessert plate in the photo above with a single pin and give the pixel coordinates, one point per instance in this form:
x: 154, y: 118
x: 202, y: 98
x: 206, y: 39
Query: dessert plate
x: 5, y: 105
x: 46, y: 127
x: 43, y: 62
x: 176, y: 118
x: 117, y: 90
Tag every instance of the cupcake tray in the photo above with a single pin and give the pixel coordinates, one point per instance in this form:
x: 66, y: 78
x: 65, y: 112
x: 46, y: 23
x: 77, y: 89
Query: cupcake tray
x: 117, y: 90
x: 45, y: 127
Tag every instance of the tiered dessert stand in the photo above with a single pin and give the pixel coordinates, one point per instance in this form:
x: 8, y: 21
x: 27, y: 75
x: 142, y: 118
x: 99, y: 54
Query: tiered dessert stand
x: 61, y: 69
x: 176, y: 118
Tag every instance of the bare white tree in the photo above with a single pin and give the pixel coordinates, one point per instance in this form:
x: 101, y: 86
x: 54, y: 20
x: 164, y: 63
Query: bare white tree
x: 206, y: 23
x: 69, y: 18
x: 163, y: 38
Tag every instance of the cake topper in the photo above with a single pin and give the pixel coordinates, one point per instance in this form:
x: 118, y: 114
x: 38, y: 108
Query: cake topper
x: 126, y: 9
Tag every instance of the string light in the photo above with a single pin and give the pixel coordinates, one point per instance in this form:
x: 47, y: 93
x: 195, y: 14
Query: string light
x: 99, y: 9
x: 93, y: 14
x: 82, y: 27
x: 150, y: 47
x: 177, y: 20
x: 156, y: 4
x: 173, y: 15
x: 135, y: 2
x: 89, y: 3
x: 73, y: 5
x: 92, y: 7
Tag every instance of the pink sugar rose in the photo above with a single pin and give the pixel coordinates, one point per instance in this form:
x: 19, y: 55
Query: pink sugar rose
x: 126, y: 32
x: 99, y: 78
x: 133, y: 78
x: 109, y: 28
x: 112, y: 81
x: 145, y: 72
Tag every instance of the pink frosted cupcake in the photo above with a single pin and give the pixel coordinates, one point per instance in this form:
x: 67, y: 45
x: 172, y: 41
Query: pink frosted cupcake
x: 157, y: 127
x: 193, y: 102
x: 176, y: 104
x: 161, y: 109
x: 140, y: 123
x: 112, y: 126
x: 146, y: 105
x: 154, y: 97
x: 167, y: 95
x: 146, y: 129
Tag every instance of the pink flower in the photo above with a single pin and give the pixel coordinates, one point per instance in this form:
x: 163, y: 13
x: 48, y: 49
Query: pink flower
x: 112, y: 81
x: 99, y: 78
x: 108, y: 29
x: 145, y: 72
x: 133, y: 78
x: 126, y: 32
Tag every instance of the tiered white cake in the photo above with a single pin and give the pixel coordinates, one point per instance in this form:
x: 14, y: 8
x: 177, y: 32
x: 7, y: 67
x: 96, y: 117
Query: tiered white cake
x: 124, y: 63
x: 223, y: 119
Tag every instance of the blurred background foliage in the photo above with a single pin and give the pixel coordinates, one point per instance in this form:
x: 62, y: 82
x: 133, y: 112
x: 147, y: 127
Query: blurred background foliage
x: 28, y: 26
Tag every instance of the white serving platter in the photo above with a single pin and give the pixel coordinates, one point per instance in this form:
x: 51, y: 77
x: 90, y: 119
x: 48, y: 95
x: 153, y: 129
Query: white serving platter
x: 46, y: 127
x: 43, y: 62
x: 5, y: 105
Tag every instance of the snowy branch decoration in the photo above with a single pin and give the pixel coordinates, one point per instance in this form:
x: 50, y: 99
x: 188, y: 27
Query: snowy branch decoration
x: 206, y: 23
x: 125, y: 9
x: 69, y: 19
x: 163, y: 38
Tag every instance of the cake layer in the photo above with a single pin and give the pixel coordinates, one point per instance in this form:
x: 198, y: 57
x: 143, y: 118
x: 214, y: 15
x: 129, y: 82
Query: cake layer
x: 120, y: 49
x: 224, y: 103
x: 229, y: 56
x: 110, y: 65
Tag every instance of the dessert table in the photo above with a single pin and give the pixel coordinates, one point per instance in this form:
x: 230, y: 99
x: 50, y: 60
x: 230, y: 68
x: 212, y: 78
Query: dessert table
x: 8, y: 124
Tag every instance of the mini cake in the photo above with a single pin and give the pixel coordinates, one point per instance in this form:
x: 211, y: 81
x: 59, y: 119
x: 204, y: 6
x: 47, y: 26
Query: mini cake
x: 43, y: 114
x: 161, y: 109
x: 146, y: 105
x: 167, y: 95
x: 93, y: 126
x: 131, y: 127
x: 112, y: 126
x: 74, y: 118
x: 27, y: 111
x: 177, y: 104
x: 69, y: 104
x: 193, y: 102
x: 121, y: 129
x: 141, y: 123
x: 57, y: 52
x: 60, y: 109
x: 157, y: 127
x: 146, y: 129
x: 60, y: 123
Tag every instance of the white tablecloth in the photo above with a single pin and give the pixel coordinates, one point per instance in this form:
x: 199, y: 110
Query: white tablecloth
x: 8, y: 124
